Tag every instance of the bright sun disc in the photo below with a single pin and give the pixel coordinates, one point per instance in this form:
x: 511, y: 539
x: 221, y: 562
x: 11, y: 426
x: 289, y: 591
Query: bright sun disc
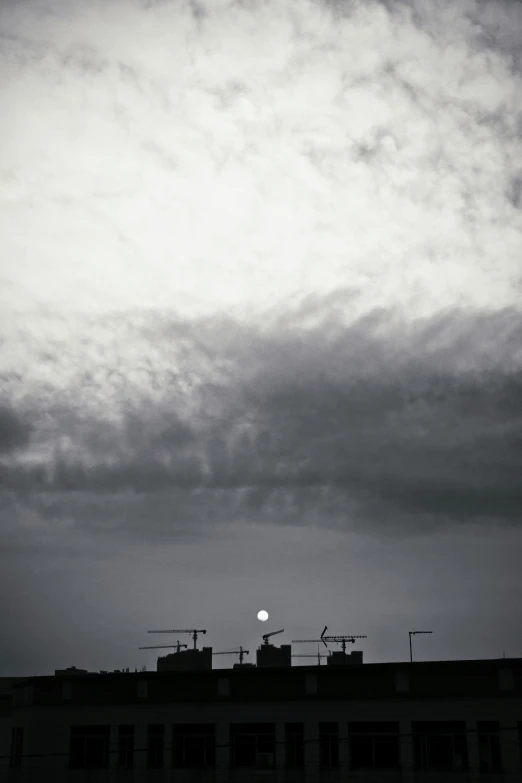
x: 262, y: 615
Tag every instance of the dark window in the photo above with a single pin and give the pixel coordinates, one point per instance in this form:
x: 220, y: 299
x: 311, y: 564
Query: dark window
x: 89, y: 748
x: 294, y: 745
x: 489, y: 746
x: 155, y: 745
x: 440, y: 745
x: 252, y: 744
x: 126, y: 747
x: 194, y: 745
x: 374, y: 745
x: 17, y: 745
x: 329, y: 745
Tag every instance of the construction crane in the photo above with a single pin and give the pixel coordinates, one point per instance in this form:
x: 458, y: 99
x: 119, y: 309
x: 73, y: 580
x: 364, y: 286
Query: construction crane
x: 178, y: 646
x: 266, y: 636
x: 241, y: 652
x: 184, y: 630
x: 342, y: 639
x: 411, y: 633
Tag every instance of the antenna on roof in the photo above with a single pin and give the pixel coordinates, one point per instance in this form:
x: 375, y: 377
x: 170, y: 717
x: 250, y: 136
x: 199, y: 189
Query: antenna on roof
x: 312, y: 655
x: 411, y: 633
x: 178, y: 646
x: 183, y: 630
x: 306, y: 641
x: 342, y: 639
x: 241, y: 652
x: 266, y: 636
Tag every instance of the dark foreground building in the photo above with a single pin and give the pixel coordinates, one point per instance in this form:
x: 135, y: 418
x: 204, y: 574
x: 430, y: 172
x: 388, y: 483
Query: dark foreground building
x: 430, y: 722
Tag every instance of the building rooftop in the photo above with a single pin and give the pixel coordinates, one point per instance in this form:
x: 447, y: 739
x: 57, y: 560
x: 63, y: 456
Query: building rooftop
x: 402, y: 680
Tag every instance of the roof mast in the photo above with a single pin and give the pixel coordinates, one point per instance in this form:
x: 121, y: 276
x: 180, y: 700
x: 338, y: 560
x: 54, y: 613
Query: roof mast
x: 183, y: 630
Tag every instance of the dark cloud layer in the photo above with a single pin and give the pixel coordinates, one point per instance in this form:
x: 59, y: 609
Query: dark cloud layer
x: 376, y: 423
x: 14, y: 434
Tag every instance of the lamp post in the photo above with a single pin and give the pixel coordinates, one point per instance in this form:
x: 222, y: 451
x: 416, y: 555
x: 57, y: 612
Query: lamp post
x: 411, y: 634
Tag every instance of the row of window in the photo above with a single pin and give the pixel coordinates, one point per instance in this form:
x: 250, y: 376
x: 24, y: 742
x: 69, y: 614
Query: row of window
x: 437, y: 745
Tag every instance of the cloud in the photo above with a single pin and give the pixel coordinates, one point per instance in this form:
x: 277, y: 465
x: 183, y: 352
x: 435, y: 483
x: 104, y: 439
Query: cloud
x: 226, y: 155
x: 260, y: 293
x: 377, y: 423
x: 341, y: 180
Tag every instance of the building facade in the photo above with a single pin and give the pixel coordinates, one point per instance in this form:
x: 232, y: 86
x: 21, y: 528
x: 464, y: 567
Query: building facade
x: 451, y: 721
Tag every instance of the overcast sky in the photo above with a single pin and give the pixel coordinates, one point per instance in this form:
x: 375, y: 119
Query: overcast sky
x: 260, y: 286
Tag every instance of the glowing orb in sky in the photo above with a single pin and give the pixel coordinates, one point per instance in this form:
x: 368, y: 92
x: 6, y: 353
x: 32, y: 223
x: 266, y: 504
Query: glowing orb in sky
x: 262, y: 615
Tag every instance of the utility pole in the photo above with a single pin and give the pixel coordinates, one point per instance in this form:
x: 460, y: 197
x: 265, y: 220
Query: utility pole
x: 411, y: 633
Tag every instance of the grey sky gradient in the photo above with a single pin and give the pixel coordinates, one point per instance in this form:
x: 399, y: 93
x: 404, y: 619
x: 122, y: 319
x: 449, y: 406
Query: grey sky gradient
x: 260, y: 284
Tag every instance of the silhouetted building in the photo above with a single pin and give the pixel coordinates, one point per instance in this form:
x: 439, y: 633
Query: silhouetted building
x: 186, y: 660
x: 9, y: 734
x: 437, y: 721
x: 339, y: 658
x: 270, y: 656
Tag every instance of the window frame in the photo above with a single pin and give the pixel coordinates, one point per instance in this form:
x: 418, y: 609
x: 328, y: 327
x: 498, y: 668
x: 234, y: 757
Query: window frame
x: 155, y: 751
x: 488, y: 738
x: 263, y: 736
x: 294, y: 746
x: 126, y: 744
x: 17, y: 747
x: 329, y: 745
x: 83, y: 740
x: 425, y: 736
x: 181, y: 732
x: 374, y: 733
